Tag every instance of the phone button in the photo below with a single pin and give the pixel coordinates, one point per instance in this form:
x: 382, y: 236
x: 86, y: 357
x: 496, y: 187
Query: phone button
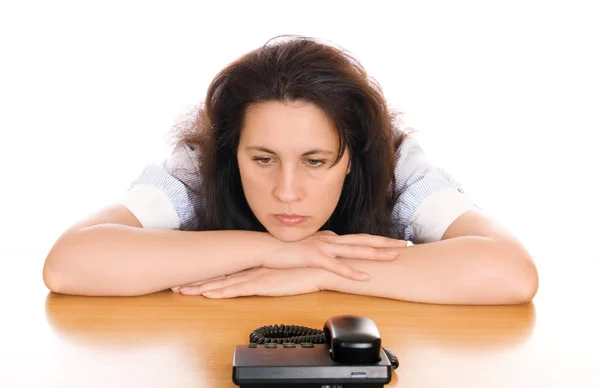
x: 252, y: 345
x: 358, y: 374
x: 307, y: 345
x: 270, y: 345
x: 289, y: 345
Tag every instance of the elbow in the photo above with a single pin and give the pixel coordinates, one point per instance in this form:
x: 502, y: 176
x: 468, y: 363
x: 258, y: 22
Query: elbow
x: 59, y: 278
x: 64, y: 273
x: 529, y: 283
x: 523, y: 287
x: 56, y: 264
x: 517, y: 279
x: 53, y: 275
x: 531, y: 280
x: 52, y: 281
x: 59, y: 266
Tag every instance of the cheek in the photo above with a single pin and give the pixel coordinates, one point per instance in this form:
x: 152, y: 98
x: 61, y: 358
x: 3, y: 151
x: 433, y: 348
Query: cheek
x: 255, y: 186
x: 326, y: 190
x: 245, y: 174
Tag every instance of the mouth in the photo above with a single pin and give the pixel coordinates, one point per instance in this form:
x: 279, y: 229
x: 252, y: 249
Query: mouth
x: 290, y: 219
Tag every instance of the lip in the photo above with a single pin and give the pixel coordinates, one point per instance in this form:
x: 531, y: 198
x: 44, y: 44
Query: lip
x: 290, y: 219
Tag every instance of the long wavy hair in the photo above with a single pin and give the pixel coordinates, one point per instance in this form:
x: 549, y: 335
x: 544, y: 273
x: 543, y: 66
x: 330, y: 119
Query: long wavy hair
x: 286, y: 69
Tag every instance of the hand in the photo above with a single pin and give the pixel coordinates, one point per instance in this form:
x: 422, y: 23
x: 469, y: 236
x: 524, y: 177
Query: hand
x: 259, y: 281
x: 322, y: 249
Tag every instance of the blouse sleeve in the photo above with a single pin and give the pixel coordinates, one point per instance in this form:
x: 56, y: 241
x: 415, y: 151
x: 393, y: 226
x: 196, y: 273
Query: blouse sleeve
x: 165, y: 195
x: 430, y: 200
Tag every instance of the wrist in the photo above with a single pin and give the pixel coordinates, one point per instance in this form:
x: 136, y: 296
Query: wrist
x: 269, y: 247
x: 325, y: 280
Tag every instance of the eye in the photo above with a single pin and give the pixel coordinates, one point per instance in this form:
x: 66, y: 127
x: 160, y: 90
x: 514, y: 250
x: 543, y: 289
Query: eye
x: 263, y: 161
x: 315, y: 162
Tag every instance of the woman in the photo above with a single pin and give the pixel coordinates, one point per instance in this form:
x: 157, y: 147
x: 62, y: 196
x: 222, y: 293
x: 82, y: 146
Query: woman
x: 293, y: 177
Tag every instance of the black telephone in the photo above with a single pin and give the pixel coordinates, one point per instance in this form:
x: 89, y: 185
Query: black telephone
x: 346, y: 353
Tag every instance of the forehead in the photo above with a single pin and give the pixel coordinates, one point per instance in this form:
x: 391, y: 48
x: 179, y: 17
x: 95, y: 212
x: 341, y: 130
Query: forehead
x: 287, y: 124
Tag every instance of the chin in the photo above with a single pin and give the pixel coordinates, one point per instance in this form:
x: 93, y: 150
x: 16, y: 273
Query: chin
x: 289, y: 234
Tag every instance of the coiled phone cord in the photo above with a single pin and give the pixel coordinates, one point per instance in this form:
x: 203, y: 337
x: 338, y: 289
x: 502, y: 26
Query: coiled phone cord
x: 280, y: 334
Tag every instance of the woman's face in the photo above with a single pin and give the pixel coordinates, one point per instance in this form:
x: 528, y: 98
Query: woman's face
x: 285, y: 156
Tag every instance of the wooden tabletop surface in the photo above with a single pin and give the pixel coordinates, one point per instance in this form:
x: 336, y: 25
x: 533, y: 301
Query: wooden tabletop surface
x: 170, y: 340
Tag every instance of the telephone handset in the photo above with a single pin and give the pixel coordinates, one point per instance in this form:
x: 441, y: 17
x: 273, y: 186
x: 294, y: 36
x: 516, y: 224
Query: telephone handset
x: 353, y: 340
x: 347, y: 351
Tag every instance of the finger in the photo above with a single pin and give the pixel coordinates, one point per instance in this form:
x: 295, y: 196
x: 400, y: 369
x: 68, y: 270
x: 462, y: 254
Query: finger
x: 333, y: 265
x: 177, y: 288
x: 195, y: 284
x: 363, y: 252
x: 326, y: 233
x: 200, y: 289
x: 247, y: 288
x: 368, y: 240
x: 237, y: 274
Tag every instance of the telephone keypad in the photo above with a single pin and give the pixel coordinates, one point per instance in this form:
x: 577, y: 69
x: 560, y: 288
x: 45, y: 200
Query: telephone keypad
x: 271, y: 345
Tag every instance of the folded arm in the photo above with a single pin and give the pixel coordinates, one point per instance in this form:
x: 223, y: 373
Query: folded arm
x: 110, y: 254
x: 476, y: 262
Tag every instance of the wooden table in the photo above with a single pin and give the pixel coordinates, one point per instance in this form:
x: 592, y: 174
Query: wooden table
x: 170, y: 340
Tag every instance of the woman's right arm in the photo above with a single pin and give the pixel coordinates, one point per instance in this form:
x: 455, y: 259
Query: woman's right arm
x: 146, y: 242
x: 110, y: 253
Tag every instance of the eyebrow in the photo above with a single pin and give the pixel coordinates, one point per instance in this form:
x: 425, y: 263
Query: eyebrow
x: 310, y: 152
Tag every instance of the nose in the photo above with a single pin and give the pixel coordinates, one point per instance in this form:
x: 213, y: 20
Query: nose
x: 287, y: 185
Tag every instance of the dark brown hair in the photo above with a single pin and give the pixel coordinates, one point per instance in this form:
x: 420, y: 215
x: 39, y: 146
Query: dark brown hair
x: 292, y: 68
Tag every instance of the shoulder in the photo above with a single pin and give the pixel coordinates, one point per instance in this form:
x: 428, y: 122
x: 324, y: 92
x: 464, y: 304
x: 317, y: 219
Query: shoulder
x: 430, y: 198
x: 167, y: 195
x: 184, y: 159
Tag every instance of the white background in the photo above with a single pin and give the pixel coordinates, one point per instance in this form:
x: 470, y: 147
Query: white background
x: 505, y: 95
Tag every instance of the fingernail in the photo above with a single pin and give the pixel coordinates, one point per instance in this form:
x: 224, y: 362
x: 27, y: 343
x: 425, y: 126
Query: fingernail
x: 184, y: 289
x: 207, y: 293
x: 392, y: 253
x: 364, y: 276
x: 175, y: 288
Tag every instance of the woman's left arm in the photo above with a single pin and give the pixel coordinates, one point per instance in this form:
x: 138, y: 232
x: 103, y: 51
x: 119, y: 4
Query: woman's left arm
x: 477, y: 261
